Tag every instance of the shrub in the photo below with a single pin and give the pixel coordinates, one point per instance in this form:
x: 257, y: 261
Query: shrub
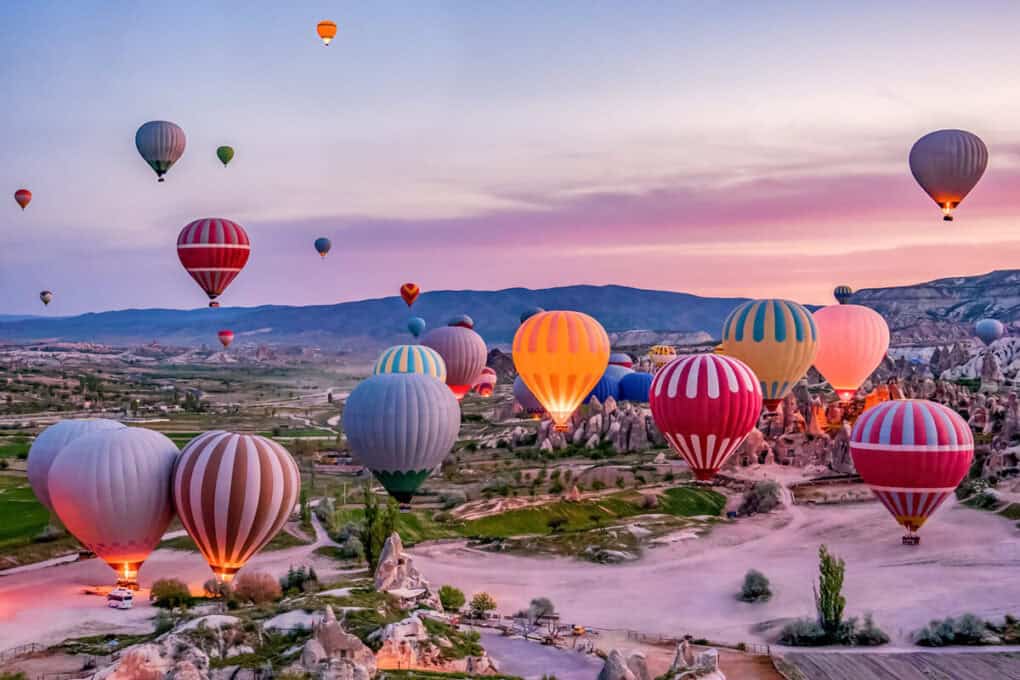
x: 299, y: 580
x: 756, y: 587
x: 214, y: 588
x: 870, y: 635
x: 352, y: 549
x: 164, y: 623
x: 169, y: 593
x: 556, y: 487
x: 556, y: 524
x: 452, y: 499
x: 257, y: 587
x: 481, y: 605
x: 451, y: 598
x: 965, y: 630
x: 762, y: 497
x: 598, y: 485
x: 803, y: 633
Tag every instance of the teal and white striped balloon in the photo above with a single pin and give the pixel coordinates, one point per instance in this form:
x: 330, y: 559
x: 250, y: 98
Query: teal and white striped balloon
x: 411, y: 359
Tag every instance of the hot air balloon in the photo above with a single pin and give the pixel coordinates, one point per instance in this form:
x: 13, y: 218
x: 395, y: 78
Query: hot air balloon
x: 777, y: 339
x: 214, y: 251
x: 45, y: 296
x: 225, y: 154
x: 525, y: 399
x: 52, y: 441
x: 486, y: 383
x: 416, y: 325
x: 23, y: 197
x: 989, y: 330
x: 704, y: 405
x: 233, y: 493
x: 161, y: 144
x: 561, y: 355
x: 323, y: 245
x: 912, y: 453
x: 401, y: 426
x: 226, y: 337
x: 947, y: 164
x: 852, y: 341
x: 634, y: 387
x: 464, y: 352
x: 111, y: 489
x: 326, y: 31
x: 621, y: 359
x: 410, y: 292
x: 411, y: 359
x: 842, y: 294
x: 530, y: 312
x: 461, y: 320
x: 609, y: 384
x: 661, y: 355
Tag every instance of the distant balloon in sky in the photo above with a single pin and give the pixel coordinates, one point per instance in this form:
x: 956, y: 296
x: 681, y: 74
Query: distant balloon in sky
x: 226, y: 337
x: 45, y: 296
x: 416, y: 325
x: 161, y: 144
x: 233, y: 494
x: 411, y: 359
x: 912, y: 453
x: 530, y: 312
x: 852, y: 341
x: 410, y: 292
x: 327, y: 31
x: 214, y: 251
x: 111, y: 489
x: 225, y: 154
x: 50, y: 442
x: 989, y: 330
x: 23, y: 197
x: 561, y: 355
x: 947, y: 164
x: 323, y: 245
x: 777, y: 339
x: 842, y: 294
x: 464, y: 352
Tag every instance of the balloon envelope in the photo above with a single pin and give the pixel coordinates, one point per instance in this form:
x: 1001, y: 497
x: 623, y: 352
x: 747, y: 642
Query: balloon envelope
x: 161, y: 144
x: 525, y: 399
x: 561, y: 355
x: 326, y: 31
x: 111, y: 489
x: 530, y: 312
x: 401, y: 426
x: 462, y: 320
x: 411, y: 359
x: 23, y: 197
x: 416, y: 325
x: 410, y: 293
x: 704, y: 405
x: 485, y: 385
x: 634, y: 387
x: 989, y: 330
x: 852, y: 341
x: 46, y: 296
x: 226, y: 337
x: 912, y: 453
x: 661, y: 355
x: 225, y: 154
x: 609, y: 384
x: 777, y: 339
x: 214, y: 251
x: 464, y: 352
x: 323, y: 245
x: 842, y: 294
x: 50, y: 442
x: 948, y: 164
x: 621, y: 359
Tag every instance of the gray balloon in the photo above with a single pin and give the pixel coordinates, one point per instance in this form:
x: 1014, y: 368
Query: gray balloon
x: 50, y: 442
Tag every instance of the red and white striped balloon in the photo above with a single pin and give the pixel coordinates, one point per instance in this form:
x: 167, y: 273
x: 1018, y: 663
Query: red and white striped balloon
x: 705, y: 404
x: 214, y: 251
x: 912, y: 453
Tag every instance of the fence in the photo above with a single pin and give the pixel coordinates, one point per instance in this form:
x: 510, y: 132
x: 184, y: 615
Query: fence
x: 653, y: 639
x: 21, y: 650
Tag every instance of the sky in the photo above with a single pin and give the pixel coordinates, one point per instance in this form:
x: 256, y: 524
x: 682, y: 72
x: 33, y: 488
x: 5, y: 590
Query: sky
x: 712, y: 147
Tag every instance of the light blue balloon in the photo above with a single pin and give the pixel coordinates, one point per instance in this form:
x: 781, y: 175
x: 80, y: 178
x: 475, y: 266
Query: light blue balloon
x: 416, y: 325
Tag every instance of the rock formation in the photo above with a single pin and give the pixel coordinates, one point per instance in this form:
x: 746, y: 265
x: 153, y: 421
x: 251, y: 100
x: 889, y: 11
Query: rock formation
x: 171, y: 657
x: 396, y: 573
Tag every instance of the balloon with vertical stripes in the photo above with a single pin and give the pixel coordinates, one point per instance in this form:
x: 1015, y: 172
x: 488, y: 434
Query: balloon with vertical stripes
x: 411, y: 359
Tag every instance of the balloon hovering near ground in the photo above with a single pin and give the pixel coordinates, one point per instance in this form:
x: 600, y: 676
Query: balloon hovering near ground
x: 463, y: 350
x: 225, y: 154
x: 530, y: 312
x: 486, y: 383
x: 323, y: 245
x: 111, y: 489
x: 226, y: 338
x: 401, y: 426
x: 23, y: 197
x: 561, y: 355
x: 912, y: 453
x: 233, y: 494
x: 609, y: 384
x: 852, y: 341
x: 50, y: 442
x: 46, y: 296
x: 327, y: 31
x: 461, y: 321
x: 704, y: 405
x: 161, y: 144
x: 777, y: 339
x: 410, y: 293
x: 411, y: 359
x: 621, y: 359
x: 989, y: 330
x: 661, y: 355
x: 635, y: 386
x: 416, y: 325
x: 948, y: 164
x: 214, y: 251
x: 842, y: 294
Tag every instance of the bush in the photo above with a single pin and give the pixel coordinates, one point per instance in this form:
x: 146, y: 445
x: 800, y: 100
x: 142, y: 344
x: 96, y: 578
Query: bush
x: 481, y: 605
x: 870, y: 635
x: 451, y: 598
x: 556, y: 524
x: 803, y: 633
x: 452, y: 499
x: 169, y: 593
x: 763, y: 497
x: 164, y: 623
x: 257, y: 587
x: 299, y: 580
x: 556, y: 487
x: 352, y: 549
x: 756, y: 587
x: 214, y: 588
x: 965, y: 630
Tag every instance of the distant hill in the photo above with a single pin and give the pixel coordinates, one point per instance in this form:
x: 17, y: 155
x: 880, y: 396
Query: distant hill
x: 370, y: 323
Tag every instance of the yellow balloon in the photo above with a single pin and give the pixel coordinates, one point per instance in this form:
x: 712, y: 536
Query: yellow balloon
x: 560, y: 356
x: 661, y: 355
x: 777, y: 339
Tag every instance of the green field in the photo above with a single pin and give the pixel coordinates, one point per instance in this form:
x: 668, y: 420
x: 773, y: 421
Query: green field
x: 281, y: 541
x: 14, y: 447
x: 23, y: 516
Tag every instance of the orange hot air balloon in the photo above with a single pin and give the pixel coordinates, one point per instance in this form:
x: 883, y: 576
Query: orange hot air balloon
x: 23, y: 197
x: 326, y: 31
x: 852, y: 341
x: 560, y: 356
x: 410, y: 293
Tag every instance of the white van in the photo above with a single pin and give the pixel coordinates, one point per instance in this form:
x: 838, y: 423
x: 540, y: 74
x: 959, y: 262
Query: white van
x: 120, y: 598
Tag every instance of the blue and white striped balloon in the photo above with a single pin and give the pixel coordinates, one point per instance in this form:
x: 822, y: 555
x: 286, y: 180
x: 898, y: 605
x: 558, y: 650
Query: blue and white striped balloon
x: 411, y: 359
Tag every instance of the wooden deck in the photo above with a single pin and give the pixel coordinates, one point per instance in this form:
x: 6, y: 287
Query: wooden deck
x: 904, y: 666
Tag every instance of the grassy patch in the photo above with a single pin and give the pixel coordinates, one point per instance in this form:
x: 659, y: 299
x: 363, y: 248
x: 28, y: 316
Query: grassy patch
x: 413, y: 527
x: 101, y: 645
x: 463, y: 643
x: 22, y: 517
x: 1012, y: 511
x: 14, y: 447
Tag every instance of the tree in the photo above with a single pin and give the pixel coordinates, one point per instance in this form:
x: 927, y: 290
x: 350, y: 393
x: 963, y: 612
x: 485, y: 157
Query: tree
x: 451, y: 598
x: 257, y: 587
x: 169, y: 593
x: 764, y: 496
x: 756, y: 587
x: 829, y: 600
x: 528, y: 620
x: 380, y: 523
x: 481, y: 605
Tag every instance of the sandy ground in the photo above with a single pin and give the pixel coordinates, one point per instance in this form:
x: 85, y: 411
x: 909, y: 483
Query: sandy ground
x: 967, y: 562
